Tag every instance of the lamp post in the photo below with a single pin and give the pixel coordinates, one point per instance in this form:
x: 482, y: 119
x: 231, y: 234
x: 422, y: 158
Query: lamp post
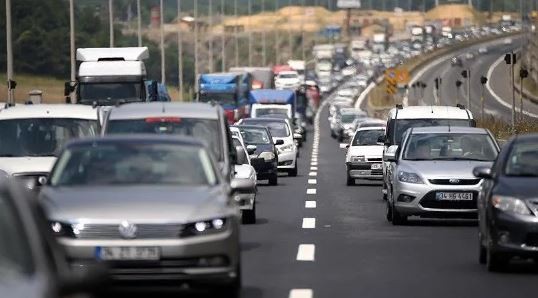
x: 161, y: 32
x: 9, y: 51
x: 139, y: 22
x: 72, y: 44
x: 111, y: 22
x: 210, y: 36
x: 179, y: 52
x: 223, y: 39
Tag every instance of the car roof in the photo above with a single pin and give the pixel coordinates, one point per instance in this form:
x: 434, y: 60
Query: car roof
x: 372, y: 128
x: 252, y: 127
x: 71, y: 111
x: 153, y: 109
x: 449, y: 129
x: 137, y: 138
x: 264, y: 119
x: 431, y: 112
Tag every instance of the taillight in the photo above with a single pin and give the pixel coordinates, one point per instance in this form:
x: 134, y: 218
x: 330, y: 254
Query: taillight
x: 163, y: 120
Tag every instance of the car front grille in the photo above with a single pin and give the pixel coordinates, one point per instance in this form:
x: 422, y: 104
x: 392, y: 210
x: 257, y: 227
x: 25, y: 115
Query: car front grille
x: 455, y: 181
x: 144, y: 231
x: 429, y: 201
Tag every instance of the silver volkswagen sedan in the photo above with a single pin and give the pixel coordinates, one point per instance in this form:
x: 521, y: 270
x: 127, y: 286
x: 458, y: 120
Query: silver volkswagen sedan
x: 153, y: 208
x: 431, y: 174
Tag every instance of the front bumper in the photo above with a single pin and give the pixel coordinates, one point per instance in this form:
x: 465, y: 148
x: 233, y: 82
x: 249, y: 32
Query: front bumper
x: 287, y: 159
x: 364, y: 170
x: 211, y: 259
x: 514, y: 234
x: 264, y: 169
x: 424, y: 201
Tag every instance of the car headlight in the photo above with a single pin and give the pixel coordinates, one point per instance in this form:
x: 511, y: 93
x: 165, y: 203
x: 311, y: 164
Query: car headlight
x: 359, y: 158
x: 284, y: 148
x: 510, y: 204
x: 205, y: 227
x: 267, y: 156
x: 60, y: 229
x: 409, y: 178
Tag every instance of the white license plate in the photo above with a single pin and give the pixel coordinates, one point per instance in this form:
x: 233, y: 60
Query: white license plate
x: 128, y: 253
x: 454, y: 196
x: 377, y: 166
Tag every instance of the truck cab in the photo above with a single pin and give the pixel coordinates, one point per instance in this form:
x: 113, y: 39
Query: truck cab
x: 110, y: 76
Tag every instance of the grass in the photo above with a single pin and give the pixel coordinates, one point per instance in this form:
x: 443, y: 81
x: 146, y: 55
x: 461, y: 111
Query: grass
x: 503, y: 131
x: 53, y: 88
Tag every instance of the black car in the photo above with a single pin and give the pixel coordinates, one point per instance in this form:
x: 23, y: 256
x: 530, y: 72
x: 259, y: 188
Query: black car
x: 265, y: 158
x: 32, y: 264
x: 508, y: 204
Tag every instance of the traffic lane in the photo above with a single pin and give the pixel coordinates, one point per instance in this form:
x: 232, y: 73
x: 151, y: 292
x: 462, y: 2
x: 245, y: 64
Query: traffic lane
x: 360, y: 254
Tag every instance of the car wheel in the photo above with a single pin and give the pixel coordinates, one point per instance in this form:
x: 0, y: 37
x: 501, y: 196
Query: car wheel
x: 495, y: 262
x: 249, y: 216
x: 388, y: 212
x: 273, y: 180
x: 350, y: 181
x: 340, y: 138
x: 397, y: 218
x: 232, y: 290
x: 293, y: 172
x: 385, y: 191
x: 482, y: 251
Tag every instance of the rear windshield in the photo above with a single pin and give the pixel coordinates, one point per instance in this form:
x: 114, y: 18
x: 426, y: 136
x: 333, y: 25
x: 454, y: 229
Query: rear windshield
x: 367, y: 137
x: 404, y: 124
x: 206, y: 130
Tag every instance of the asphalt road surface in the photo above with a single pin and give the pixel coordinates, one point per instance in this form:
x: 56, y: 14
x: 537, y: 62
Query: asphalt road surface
x: 500, y: 83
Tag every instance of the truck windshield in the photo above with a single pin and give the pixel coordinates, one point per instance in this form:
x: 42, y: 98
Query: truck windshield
x: 404, y: 124
x: 41, y: 136
x: 203, y: 129
x: 222, y: 98
x: 105, y: 93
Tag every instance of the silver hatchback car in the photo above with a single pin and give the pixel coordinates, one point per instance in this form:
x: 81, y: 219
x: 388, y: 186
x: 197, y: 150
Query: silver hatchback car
x: 153, y: 208
x: 431, y: 174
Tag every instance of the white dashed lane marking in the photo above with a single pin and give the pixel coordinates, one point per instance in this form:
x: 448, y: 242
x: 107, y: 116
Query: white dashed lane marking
x: 309, y: 223
x: 311, y: 191
x: 313, y: 174
x: 301, y: 293
x: 312, y: 181
x: 306, y: 252
x: 313, y: 168
x: 310, y: 204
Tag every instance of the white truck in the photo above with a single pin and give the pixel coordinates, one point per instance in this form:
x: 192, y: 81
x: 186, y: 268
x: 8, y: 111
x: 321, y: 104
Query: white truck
x: 323, y: 51
x: 299, y: 66
x: 107, y: 76
x: 379, y: 42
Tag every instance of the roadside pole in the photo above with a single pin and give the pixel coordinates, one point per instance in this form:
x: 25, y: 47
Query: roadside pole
x: 195, y: 41
x: 483, y: 82
x: 223, y: 39
x: 236, y: 33
x: 290, y: 39
x: 277, y: 38
x: 111, y: 22
x: 264, y: 40
x: 523, y: 74
x: 9, y: 46
x: 179, y: 52
x: 249, y: 33
x: 139, y: 22
x: 467, y: 75
x: 161, y: 32
x: 210, y: 36
x: 72, y: 45
x: 458, y: 87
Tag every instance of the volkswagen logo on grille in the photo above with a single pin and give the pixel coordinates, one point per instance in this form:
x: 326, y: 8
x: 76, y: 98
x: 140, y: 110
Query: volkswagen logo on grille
x: 127, y: 230
x: 454, y: 181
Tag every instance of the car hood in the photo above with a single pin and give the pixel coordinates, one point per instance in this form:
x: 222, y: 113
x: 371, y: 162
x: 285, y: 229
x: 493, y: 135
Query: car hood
x: 520, y: 187
x: 368, y: 151
x: 149, y: 204
x: 245, y: 171
x: 262, y: 148
x: 440, y: 169
x: 19, y: 165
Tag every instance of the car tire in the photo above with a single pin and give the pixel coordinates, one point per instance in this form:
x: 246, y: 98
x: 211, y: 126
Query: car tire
x: 233, y: 290
x: 273, y: 180
x: 495, y: 262
x: 293, y: 172
x: 396, y: 218
x: 249, y: 216
x: 350, y: 181
x: 388, y: 212
x: 385, y: 189
x: 340, y: 138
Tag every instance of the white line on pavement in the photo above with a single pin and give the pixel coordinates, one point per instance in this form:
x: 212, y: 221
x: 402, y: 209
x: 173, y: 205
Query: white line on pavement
x: 309, y: 223
x: 312, y: 181
x: 313, y: 169
x: 310, y: 204
x: 311, y: 191
x: 301, y: 293
x: 313, y: 174
x: 314, y: 163
x: 306, y: 252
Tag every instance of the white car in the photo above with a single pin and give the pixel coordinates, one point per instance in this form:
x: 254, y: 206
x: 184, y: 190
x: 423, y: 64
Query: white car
x: 364, y: 158
x: 287, y: 80
x: 243, y: 169
x: 32, y: 136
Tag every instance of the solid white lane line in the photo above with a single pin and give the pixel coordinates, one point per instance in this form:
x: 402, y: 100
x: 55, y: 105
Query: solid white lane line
x: 301, y: 293
x: 310, y: 204
x: 306, y: 252
x: 309, y: 223
x: 312, y: 181
x: 311, y: 191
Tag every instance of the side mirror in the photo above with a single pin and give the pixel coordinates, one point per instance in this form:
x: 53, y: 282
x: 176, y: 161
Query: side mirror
x: 482, y: 172
x: 241, y: 156
x: 279, y: 142
x: 242, y: 185
x: 251, y: 149
x: 297, y: 136
x: 391, y: 154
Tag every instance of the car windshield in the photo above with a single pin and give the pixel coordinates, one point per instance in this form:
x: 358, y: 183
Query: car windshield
x: 252, y: 136
x: 348, y: 118
x: 15, y: 253
x: 523, y: 160
x: 110, y: 93
x: 450, y: 146
x: 404, y: 124
x: 222, y: 98
x: 203, y: 129
x: 271, y: 111
x: 134, y: 164
x: 41, y: 136
x: 367, y: 137
x: 278, y: 129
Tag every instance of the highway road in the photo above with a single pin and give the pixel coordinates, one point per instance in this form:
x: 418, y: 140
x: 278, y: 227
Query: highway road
x: 499, y: 83
x: 317, y: 237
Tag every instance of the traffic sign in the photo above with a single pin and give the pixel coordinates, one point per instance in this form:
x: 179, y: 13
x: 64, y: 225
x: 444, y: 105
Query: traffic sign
x: 402, y: 75
x: 347, y: 4
x: 391, y: 78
